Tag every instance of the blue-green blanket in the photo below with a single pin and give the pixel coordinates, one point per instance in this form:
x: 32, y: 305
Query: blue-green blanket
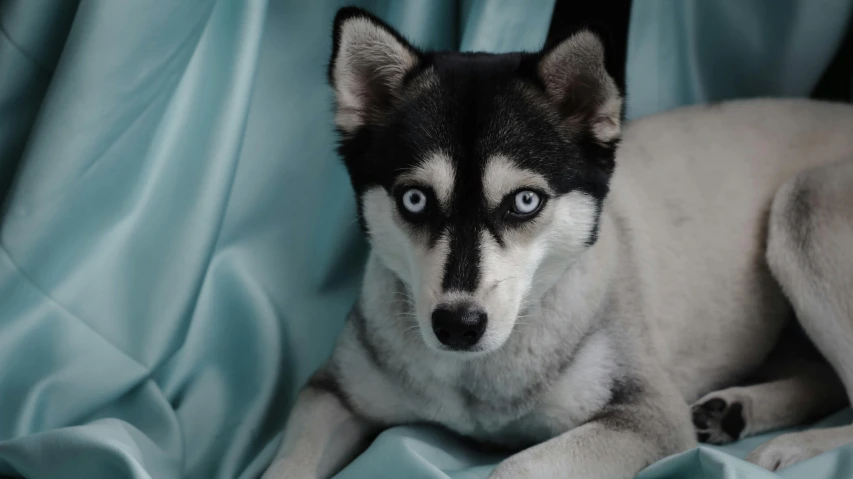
x: 178, y: 247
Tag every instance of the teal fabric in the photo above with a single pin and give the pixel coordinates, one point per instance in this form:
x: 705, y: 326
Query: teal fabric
x: 178, y: 248
x: 696, y: 51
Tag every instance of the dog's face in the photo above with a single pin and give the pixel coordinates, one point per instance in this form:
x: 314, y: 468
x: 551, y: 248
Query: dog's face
x: 479, y: 177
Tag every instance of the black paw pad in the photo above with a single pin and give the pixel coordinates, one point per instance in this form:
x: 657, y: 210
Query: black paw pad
x: 717, y: 421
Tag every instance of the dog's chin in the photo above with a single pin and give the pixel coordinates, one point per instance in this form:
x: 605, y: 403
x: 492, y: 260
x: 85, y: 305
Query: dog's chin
x: 491, y: 342
x: 433, y: 344
x: 494, y: 340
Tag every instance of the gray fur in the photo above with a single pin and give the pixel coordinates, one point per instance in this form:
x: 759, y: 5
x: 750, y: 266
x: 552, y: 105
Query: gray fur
x: 601, y: 360
x: 795, y: 392
x: 810, y: 252
x: 607, y: 314
x: 374, y: 351
x: 798, y: 216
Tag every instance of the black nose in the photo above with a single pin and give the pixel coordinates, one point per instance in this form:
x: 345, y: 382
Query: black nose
x: 459, y: 327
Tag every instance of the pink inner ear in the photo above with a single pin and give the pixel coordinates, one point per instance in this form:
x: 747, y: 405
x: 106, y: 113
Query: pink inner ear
x: 577, y: 82
x: 368, y: 71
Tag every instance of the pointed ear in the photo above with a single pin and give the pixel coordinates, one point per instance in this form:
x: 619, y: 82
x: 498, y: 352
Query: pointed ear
x: 576, y: 80
x: 368, y: 66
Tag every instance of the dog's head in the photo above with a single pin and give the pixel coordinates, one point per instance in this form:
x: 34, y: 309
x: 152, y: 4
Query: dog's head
x: 479, y: 177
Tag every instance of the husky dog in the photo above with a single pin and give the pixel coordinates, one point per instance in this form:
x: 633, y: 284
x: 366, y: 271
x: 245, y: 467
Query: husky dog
x: 528, y: 294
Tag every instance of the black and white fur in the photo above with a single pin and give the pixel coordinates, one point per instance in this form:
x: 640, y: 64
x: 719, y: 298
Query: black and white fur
x: 525, y: 293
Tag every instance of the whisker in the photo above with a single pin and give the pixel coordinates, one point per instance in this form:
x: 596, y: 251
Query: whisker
x: 411, y: 333
x: 497, y: 283
x: 401, y: 301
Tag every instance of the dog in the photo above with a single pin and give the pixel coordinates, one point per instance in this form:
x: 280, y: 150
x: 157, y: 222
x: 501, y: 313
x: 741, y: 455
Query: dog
x: 526, y: 292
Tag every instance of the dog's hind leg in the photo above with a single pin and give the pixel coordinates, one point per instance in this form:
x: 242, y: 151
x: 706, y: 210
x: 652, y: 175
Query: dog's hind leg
x: 803, y: 391
x: 810, y: 252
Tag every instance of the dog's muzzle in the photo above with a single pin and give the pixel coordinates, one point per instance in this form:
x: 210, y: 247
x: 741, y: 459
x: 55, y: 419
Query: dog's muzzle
x: 459, y: 327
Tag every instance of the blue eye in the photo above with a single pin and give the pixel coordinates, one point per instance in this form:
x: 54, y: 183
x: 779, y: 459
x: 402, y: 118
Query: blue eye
x: 414, y: 200
x: 526, y: 202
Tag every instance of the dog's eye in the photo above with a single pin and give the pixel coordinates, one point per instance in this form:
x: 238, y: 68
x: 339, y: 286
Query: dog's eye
x: 526, y: 203
x: 414, y: 200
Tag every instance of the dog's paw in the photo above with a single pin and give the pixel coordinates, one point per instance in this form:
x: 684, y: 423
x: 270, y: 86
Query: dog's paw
x: 783, y: 451
x: 719, y: 418
x: 789, y: 449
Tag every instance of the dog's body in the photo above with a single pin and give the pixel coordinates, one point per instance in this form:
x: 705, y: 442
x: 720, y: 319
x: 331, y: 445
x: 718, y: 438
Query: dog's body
x: 608, y: 313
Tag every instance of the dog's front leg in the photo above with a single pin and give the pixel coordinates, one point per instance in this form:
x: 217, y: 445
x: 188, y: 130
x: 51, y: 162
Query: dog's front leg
x: 617, y: 443
x: 321, y: 437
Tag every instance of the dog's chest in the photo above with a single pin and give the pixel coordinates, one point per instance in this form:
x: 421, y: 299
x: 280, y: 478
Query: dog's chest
x: 479, y: 402
x: 520, y: 397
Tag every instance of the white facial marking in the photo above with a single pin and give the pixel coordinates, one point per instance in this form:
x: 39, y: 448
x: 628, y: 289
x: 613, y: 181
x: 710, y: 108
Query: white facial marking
x: 426, y: 288
x: 393, y: 244
x: 505, y: 273
x: 530, y: 258
x: 436, y: 171
x: 418, y: 265
x: 564, y: 238
x: 574, y: 218
x: 503, y: 177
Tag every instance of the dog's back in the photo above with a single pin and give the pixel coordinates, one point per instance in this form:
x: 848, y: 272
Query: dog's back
x: 694, y: 187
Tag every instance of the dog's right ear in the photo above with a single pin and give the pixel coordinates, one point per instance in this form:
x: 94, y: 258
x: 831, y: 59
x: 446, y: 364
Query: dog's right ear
x: 368, y: 66
x: 575, y: 77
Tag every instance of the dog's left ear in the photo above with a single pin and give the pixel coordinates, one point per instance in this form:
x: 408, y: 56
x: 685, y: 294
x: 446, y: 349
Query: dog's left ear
x: 576, y: 80
x: 369, y: 63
